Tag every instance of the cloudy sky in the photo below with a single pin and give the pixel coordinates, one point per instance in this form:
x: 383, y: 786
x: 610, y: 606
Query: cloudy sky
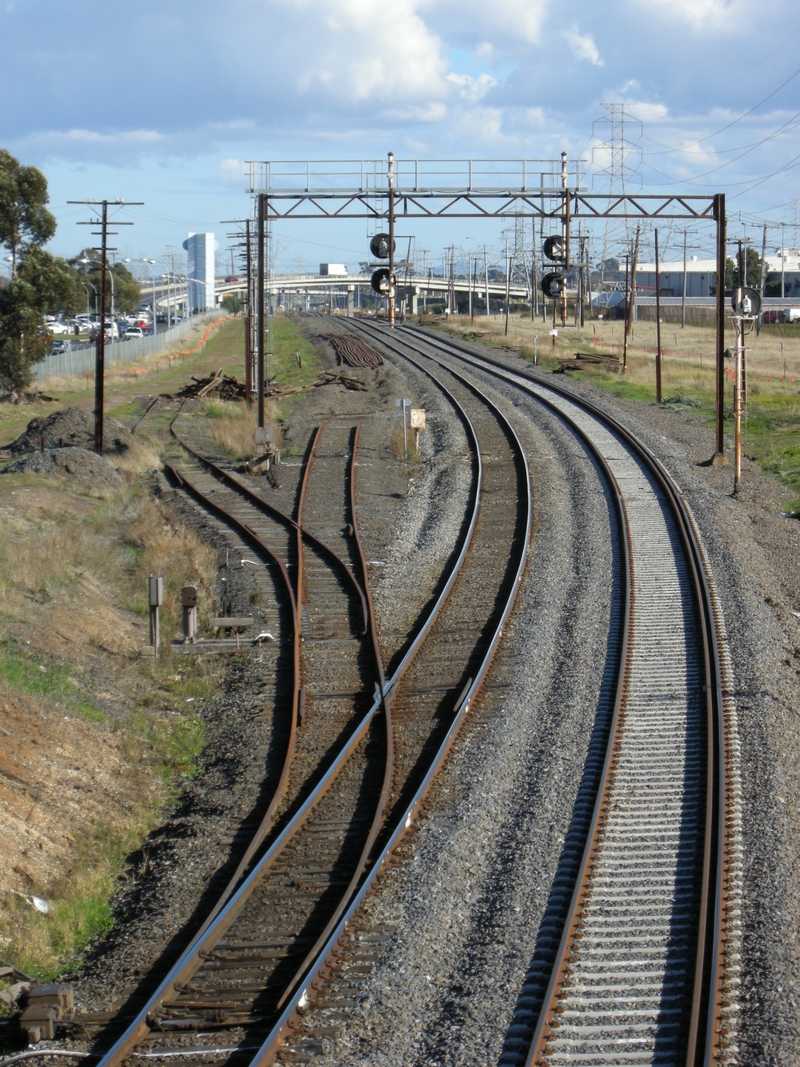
x: 164, y: 101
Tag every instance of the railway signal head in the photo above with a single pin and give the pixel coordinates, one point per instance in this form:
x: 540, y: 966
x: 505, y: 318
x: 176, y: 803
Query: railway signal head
x: 553, y: 284
x: 746, y: 301
x: 383, y: 282
x: 554, y: 248
x: 379, y: 246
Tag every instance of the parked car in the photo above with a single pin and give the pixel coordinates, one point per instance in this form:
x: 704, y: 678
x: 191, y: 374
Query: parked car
x: 134, y: 331
x: 57, y: 328
x: 59, y: 347
x: 772, y: 315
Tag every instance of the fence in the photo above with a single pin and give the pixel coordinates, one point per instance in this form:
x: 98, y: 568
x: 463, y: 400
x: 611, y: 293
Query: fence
x: 80, y: 361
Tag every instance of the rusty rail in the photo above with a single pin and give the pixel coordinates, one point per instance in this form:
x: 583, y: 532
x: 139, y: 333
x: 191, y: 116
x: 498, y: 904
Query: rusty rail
x: 269, y: 1052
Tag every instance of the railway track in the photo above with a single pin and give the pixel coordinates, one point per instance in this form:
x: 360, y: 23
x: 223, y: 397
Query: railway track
x: 636, y: 960
x: 276, y: 930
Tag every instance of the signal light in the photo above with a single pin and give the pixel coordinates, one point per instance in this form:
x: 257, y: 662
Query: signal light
x: 745, y: 301
x: 553, y: 284
x: 554, y: 248
x: 379, y: 246
x: 383, y: 282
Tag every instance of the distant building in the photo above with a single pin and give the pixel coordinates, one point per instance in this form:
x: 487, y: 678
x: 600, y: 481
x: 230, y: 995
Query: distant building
x: 200, y: 248
x: 784, y: 265
x: 701, y: 277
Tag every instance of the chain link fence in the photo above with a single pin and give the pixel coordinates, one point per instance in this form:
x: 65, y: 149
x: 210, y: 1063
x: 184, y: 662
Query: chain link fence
x: 81, y: 360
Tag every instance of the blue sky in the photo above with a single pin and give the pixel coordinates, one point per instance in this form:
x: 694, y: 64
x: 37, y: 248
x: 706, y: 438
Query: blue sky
x: 164, y: 101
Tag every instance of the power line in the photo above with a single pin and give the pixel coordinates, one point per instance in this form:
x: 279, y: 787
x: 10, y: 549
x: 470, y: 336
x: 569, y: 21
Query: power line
x: 722, y: 129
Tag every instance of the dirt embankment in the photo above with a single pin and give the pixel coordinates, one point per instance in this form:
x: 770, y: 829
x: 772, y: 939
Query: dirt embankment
x: 90, y: 729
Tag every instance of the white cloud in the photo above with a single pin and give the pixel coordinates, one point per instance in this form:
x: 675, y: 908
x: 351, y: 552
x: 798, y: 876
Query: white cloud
x: 355, y: 52
x: 583, y: 46
x: 702, y: 14
x: 472, y: 89
x: 231, y: 172
x: 502, y: 20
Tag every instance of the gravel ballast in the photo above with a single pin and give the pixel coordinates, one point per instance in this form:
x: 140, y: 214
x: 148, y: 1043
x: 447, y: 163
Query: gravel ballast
x: 481, y: 864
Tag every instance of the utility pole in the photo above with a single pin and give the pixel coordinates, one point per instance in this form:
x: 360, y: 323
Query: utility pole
x: 658, y: 328
x: 260, y: 309
x: 763, y: 279
x: 565, y: 236
x: 632, y: 302
x: 683, y: 297
x: 627, y: 309
x: 719, y: 459
x: 391, y: 239
x: 534, y: 275
x: 100, y: 357
x: 508, y: 287
x: 486, y: 277
x: 471, y: 315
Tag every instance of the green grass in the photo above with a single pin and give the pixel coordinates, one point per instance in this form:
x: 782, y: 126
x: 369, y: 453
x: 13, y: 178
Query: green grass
x: 284, y: 341
x: 131, y: 409
x: 54, y: 682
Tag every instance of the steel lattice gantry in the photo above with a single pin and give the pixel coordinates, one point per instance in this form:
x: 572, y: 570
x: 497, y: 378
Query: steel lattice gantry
x: 468, y: 189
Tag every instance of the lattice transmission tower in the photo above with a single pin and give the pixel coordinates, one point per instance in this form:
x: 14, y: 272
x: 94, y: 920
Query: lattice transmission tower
x: 616, y: 159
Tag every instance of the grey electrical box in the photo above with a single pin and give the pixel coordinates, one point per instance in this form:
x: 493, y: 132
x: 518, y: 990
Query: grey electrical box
x: 156, y: 592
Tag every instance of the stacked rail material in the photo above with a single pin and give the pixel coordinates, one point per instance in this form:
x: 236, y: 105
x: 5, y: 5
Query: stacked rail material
x: 353, y: 351
x: 583, y: 360
x: 222, y: 386
x: 225, y: 387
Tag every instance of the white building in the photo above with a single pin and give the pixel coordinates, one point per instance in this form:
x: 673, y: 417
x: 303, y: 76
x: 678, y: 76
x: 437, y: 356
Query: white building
x: 200, y: 249
x: 785, y: 266
x: 701, y: 277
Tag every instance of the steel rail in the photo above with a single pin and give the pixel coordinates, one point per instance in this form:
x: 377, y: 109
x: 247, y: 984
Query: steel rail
x: 213, y: 931
x: 704, y: 1037
x: 275, y: 513
x: 266, y: 822
x: 280, y: 789
x: 270, y: 1049
x: 380, y: 809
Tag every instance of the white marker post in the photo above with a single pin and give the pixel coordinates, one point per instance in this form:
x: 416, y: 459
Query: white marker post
x: 417, y: 423
x: 156, y: 591
x: 404, y: 403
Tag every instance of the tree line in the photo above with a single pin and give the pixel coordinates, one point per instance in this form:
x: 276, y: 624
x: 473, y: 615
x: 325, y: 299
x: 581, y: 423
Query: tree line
x: 41, y: 283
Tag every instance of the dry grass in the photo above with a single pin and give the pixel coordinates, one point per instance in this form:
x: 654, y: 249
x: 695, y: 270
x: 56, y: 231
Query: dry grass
x: 64, y: 552
x: 142, y: 455
x: 118, y: 542
x: 397, y: 447
x: 233, y: 426
x: 688, y: 354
